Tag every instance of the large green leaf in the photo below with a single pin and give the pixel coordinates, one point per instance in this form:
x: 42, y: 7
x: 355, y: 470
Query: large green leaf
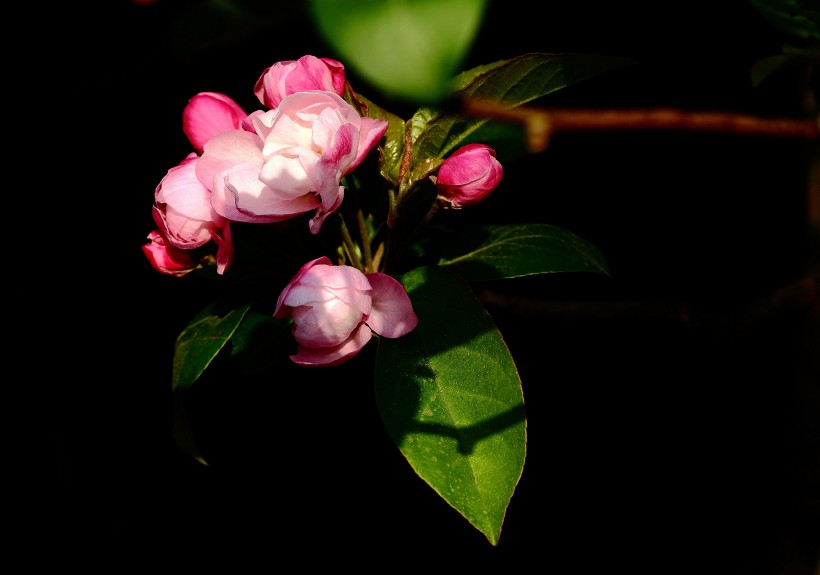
x: 409, y: 49
x: 510, y: 83
x: 199, y: 343
x: 506, y: 251
x: 450, y: 397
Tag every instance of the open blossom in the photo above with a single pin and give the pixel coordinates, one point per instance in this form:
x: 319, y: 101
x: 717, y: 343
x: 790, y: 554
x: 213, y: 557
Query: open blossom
x: 183, y: 213
x: 290, y: 76
x: 468, y: 176
x: 336, y: 310
x: 291, y: 162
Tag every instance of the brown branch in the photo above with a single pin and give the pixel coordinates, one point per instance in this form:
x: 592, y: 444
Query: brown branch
x: 541, y: 123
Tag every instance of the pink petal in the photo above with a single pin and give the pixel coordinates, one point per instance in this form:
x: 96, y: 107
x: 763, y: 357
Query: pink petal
x: 208, y: 114
x: 392, y: 313
x: 328, y: 356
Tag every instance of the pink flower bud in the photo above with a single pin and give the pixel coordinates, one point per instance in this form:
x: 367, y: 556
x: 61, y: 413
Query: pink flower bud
x: 468, y: 176
x: 167, y: 259
x: 290, y: 76
x: 336, y: 310
x: 208, y: 114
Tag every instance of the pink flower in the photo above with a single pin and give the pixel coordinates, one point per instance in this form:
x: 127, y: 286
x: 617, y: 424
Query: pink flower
x: 208, y: 114
x: 468, y: 176
x: 336, y: 309
x: 167, y: 259
x: 183, y: 213
x: 290, y: 76
x: 292, y: 161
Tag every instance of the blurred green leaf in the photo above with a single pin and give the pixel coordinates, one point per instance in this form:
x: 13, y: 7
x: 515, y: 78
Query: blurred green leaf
x: 408, y: 49
x: 199, y: 343
x: 799, y: 19
x: 450, y: 396
x: 506, y: 251
x: 790, y: 58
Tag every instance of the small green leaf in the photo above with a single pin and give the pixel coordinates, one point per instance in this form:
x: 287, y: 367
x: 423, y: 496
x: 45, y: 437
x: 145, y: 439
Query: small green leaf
x: 392, y: 145
x: 408, y: 50
x: 451, y: 399
x: 506, y: 251
x: 199, y: 343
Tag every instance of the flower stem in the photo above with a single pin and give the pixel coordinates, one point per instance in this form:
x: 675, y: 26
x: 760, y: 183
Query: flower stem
x: 349, y: 244
x: 365, y: 236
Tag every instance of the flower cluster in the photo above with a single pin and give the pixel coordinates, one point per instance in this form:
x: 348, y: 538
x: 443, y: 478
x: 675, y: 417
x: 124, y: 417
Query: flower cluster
x: 283, y: 161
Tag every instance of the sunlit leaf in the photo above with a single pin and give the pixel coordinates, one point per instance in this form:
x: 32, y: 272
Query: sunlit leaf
x: 507, y: 251
x: 200, y: 342
x: 407, y: 49
x: 392, y: 144
x: 450, y: 396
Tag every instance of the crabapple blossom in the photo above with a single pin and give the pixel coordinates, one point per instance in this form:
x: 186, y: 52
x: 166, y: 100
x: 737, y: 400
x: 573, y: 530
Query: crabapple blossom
x: 290, y: 76
x: 183, y: 213
x: 336, y: 310
x: 468, y: 176
x: 290, y: 162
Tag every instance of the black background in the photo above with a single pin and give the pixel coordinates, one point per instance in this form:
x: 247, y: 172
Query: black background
x: 672, y: 408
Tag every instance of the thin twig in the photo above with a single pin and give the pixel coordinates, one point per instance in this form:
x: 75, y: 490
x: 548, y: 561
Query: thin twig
x: 541, y: 123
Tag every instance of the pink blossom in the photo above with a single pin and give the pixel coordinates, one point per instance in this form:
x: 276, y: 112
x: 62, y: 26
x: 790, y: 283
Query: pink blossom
x: 292, y: 162
x: 290, y: 76
x: 183, y: 213
x: 167, y: 259
x: 468, y: 176
x: 336, y: 310
x: 208, y: 114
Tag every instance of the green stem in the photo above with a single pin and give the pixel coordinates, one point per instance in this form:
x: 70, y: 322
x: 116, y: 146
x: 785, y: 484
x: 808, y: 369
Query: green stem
x: 368, y: 256
x: 349, y: 244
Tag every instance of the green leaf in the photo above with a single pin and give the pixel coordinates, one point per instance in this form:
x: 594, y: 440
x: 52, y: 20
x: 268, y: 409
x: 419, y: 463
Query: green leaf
x: 392, y: 145
x: 450, y: 397
x: 507, y: 251
x: 509, y: 140
x: 406, y: 49
x: 199, y: 343
x: 261, y: 342
x: 791, y: 57
x: 511, y: 83
x: 798, y: 18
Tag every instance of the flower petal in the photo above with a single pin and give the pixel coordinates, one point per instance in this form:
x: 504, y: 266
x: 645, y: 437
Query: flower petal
x: 392, y: 312
x: 328, y: 356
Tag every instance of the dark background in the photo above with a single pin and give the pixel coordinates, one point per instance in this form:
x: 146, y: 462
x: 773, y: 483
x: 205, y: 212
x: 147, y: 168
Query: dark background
x: 673, y: 408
